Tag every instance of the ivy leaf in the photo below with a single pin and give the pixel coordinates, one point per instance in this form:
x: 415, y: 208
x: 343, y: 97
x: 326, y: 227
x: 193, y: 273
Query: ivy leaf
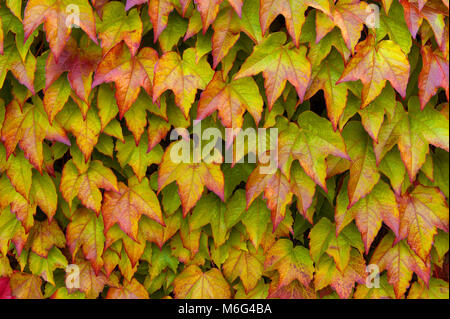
x: 400, y: 263
x: 5, y: 289
x: 434, y: 74
x: 85, y: 128
x: 413, y: 131
x: 324, y: 77
x: 277, y: 191
x: 208, y: 11
x: 28, y: 127
x: 126, y: 206
x: 290, y: 262
x: 80, y: 62
x: 137, y: 156
x: 128, y: 72
x: 193, y: 283
x: 129, y: 290
x: 190, y: 177
x: 373, y: 64
x: 56, y: 18
x: 422, y: 212
x: 85, y: 182
x: 364, y: 173
x: 248, y: 265
x: 293, y: 12
x: 46, y: 266
x: 116, y: 26
x: 369, y: 212
x: 231, y: 100
x: 226, y: 32
x: 44, y: 236
x: 182, y: 76
x: 22, y: 69
x: 26, y: 286
x: 278, y: 62
x: 86, y: 231
x: 310, y: 142
x: 341, y: 281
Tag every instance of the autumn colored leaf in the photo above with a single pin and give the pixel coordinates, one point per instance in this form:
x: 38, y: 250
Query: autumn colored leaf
x: 310, y: 142
x: 16, y: 130
x: 182, y: 76
x: 278, y: 62
x: 190, y: 178
x: 231, y: 100
x: 80, y: 62
x: 400, y: 263
x: 373, y: 64
x: 126, y: 206
x: 433, y: 75
x: 422, y: 212
x: 370, y: 212
x: 58, y: 21
x: 85, y: 182
x: 193, y: 283
x: 290, y: 262
x: 26, y: 286
x: 129, y: 290
x: 86, y: 231
x: 129, y: 73
x: 127, y: 28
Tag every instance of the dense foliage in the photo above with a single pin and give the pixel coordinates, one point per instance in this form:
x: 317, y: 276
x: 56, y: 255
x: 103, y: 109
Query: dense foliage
x: 91, y: 91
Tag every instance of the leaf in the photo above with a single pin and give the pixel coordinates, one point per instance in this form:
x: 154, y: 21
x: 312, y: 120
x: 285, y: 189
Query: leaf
x: 193, y: 283
x: 290, y: 262
x: 80, y: 61
x: 310, y: 142
x: 400, y: 263
x: 129, y: 73
x: 226, y: 32
x: 336, y: 242
x: 434, y: 74
x: 116, y: 26
x: 324, y: 77
x: 190, y: 177
x: 43, y: 192
x: 129, y: 290
x: 5, y: 289
x: 45, y: 235
x: 137, y: 156
x: 231, y: 100
x: 422, y: 212
x: 277, y: 191
x: 22, y: 69
x: 349, y: 16
x: 26, y: 286
x: 293, y: 12
x: 248, y: 265
x: 58, y: 20
x: 126, y: 206
x: 413, y: 131
x: 17, y: 129
x: 85, y: 183
x: 342, y: 282
x: 86, y: 231
x: 373, y: 64
x: 370, y: 212
x: 208, y: 11
x: 363, y: 170
x: 278, y: 62
x: 45, y: 266
x: 182, y: 76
